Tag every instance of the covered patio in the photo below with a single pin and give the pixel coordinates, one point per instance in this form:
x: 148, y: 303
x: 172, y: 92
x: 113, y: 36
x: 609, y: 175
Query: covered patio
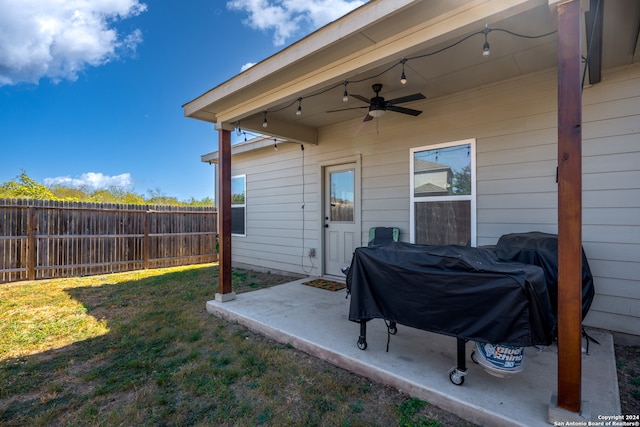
x: 455, y: 53
x: 316, y: 321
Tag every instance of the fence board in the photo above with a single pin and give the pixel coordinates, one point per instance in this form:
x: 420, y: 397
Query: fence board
x: 49, y: 239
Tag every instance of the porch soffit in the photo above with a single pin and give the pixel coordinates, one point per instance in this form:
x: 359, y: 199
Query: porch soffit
x: 334, y: 54
x: 354, y: 44
x: 364, y: 53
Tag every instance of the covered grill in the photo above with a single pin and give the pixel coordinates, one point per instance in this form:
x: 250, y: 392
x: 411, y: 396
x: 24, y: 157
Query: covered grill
x: 464, y: 292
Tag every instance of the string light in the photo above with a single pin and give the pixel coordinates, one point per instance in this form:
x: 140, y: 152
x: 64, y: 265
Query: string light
x: 403, y: 78
x: 485, y: 48
x: 275, y: 144
x: 238, y: 130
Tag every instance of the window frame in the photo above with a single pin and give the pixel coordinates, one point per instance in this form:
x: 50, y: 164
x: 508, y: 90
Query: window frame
x: 471, y: 198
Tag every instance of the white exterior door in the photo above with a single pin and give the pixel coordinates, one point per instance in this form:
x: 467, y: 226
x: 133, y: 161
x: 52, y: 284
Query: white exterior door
x: 340, y: 222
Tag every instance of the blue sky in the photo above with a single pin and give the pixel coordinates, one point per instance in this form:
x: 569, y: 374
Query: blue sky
x: 91, y: 91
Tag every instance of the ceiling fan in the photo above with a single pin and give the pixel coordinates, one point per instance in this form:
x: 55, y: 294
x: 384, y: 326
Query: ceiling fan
x: 378, y: 106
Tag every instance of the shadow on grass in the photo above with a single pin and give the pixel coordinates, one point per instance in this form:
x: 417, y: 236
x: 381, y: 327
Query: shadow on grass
x: 162, y: 360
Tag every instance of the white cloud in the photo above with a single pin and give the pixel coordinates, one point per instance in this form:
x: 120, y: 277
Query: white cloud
x: 58, y: 39
x: 286, y: 17
x: 247, y: 66
x: 93, y: 180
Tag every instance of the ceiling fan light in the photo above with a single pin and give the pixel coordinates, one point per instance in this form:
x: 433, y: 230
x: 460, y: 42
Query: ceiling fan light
x: 376, y: 113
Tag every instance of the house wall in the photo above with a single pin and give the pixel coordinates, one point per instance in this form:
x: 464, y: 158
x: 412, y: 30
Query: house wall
x: 515, y: 126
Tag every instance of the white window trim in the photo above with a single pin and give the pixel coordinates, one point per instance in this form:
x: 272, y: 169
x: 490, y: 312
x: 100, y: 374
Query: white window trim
x: 471, y: 198
x: 243, y: 205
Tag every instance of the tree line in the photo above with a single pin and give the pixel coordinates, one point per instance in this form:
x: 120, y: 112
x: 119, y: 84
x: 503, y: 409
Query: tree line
x: 24, y: 186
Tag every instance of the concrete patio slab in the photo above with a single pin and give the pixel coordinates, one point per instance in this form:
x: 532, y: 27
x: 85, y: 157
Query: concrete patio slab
x: 316, y: 321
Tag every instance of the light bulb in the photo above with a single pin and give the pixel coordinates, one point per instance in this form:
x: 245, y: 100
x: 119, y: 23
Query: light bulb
x: 485, y: 49
x: 345, y: 96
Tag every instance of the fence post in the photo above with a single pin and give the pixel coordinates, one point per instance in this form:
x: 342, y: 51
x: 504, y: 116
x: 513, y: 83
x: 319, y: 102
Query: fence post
x: 31, y: 243
x: 146, y: 243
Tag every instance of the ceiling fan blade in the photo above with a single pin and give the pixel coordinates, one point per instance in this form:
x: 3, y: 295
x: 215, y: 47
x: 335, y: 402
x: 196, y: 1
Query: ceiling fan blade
x: 361, y: 98
x: 403, y: 110
x: 346, y: 109
x: 367, y: 118
x: 408, y: 98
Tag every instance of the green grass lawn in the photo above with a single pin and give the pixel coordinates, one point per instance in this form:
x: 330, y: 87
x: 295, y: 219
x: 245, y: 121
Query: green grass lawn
x: 140, y: 349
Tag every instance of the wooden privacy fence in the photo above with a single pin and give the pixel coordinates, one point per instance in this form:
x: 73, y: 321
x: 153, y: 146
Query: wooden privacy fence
x: 43, y: 239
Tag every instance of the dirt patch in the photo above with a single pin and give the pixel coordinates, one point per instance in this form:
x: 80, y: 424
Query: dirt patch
x: 628, y: 365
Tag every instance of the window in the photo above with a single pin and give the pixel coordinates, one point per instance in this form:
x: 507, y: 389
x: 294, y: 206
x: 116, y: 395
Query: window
x: 238, y: 205
x: 443, y: 194
x: 342, y: 196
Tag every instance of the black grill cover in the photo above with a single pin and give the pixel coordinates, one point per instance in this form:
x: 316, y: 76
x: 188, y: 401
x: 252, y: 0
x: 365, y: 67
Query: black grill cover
x: 453, y: 290
x: 541, y: 249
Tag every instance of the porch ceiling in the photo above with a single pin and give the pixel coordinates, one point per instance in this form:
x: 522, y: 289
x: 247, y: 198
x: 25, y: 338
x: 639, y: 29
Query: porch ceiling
x: 365, y: 47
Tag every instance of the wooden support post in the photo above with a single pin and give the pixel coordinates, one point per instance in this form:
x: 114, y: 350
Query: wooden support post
x: 224, y: 211
x: 569, y: 206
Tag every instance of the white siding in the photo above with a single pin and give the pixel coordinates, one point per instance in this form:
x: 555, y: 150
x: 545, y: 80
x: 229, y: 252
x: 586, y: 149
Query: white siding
x: 275, y: 216
x: 514, y: 124
x: 611, y: 198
